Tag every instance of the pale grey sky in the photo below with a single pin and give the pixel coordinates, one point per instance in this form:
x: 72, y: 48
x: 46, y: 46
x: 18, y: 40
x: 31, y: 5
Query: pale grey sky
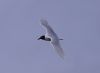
x: 76, y: 21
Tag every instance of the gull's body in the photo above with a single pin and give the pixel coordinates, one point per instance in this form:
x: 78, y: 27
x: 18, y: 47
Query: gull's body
x: 52, y: 37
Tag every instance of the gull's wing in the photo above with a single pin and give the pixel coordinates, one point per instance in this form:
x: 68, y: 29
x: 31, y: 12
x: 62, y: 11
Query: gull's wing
x: 49, y: 30
x: 57, y: 47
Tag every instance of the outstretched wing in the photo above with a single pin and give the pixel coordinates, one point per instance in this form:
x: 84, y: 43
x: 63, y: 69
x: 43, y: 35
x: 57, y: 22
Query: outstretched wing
x: 49, y: 30
x: 57, y: 47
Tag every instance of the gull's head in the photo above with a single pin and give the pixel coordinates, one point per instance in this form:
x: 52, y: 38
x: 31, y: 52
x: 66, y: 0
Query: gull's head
x: 42, y: 37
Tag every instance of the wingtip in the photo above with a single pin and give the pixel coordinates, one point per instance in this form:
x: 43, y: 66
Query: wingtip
x: 62, y: 56
x: 43, y: 21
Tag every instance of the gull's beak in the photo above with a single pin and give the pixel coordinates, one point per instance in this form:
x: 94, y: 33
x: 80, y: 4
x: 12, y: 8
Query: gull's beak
x: 38, y: 39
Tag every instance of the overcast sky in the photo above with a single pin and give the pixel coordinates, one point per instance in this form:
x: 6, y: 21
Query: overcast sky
x: 76, y: 21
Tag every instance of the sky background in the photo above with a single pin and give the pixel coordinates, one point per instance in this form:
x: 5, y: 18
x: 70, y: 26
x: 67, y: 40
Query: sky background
x: 76, y: 21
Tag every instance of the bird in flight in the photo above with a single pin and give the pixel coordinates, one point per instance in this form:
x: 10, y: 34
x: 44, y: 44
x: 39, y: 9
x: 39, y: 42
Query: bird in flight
x: 52, y: 37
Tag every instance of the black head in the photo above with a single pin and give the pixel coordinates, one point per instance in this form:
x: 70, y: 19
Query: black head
x: 42, y: 37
